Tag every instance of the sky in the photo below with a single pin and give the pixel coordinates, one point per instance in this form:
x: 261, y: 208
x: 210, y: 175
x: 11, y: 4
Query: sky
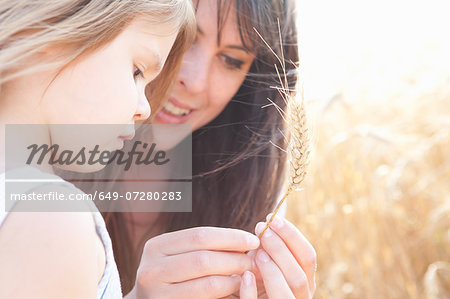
x: 372, y: 49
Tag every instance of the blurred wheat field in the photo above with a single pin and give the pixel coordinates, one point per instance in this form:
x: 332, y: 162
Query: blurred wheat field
x: 376, y: 199
x: 376, y: 203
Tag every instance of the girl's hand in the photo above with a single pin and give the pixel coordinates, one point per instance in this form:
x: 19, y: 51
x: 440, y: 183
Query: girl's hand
x: 195, y: 263
x: 286, y: 262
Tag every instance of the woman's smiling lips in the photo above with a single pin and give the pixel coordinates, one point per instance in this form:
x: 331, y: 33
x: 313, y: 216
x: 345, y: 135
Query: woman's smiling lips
x: 174, y: 112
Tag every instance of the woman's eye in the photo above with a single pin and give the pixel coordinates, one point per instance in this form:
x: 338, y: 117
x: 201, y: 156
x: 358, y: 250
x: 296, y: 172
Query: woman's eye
x: 232, y: 63
x: 137, y: 72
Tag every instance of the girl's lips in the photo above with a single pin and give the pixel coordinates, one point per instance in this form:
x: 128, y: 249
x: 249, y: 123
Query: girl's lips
x: 126, y: 137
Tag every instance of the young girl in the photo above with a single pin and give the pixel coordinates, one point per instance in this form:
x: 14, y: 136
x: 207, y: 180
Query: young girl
x: 74, y: 62
x: 225, y: 79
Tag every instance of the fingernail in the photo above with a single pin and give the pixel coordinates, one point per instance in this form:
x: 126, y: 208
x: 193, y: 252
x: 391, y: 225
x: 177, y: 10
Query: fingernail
x: 247, y: 278
x: 259, y: 227
x: 252, y: 241
x: 268, y: 233
x: 263, y: 257
x: 277, y: 222
x: 269, y: 216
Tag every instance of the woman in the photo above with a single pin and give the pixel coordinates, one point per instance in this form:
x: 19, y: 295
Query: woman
x: 225, y: 79
x: 55, y: 68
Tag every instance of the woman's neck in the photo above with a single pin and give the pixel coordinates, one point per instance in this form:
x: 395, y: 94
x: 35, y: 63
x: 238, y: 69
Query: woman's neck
x: 141, y: 226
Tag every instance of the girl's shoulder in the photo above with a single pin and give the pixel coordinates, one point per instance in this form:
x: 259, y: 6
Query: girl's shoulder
x: 62, y: 247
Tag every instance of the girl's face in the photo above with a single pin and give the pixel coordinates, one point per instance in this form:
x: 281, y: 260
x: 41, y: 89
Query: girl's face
x: 102, y: 87
x: 211, y: 72
x: 107, y: 86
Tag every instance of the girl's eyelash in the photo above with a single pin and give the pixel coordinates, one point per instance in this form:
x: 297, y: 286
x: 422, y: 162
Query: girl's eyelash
x: 137, y: 72
x: 232, y: 63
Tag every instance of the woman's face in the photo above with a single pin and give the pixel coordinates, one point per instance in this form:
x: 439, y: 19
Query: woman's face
x: 211, y: 72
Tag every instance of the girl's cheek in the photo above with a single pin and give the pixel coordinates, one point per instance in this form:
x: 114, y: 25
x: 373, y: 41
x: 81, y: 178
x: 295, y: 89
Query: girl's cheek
x: 125, y: 100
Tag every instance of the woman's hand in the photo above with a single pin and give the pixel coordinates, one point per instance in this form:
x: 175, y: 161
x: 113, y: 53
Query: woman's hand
x: 195, y: 263
x: 286, y: 262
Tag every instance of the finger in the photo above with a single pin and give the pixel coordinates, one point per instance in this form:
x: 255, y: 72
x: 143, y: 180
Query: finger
x: 299, y: 246
x: 286, y: 262
x: 256, y: 273
x: 274, y: 282
x: 201, y: 263
x: 205, y: 287
x: 254, y: 268
x: 248, y: 286
x: 203, y: 238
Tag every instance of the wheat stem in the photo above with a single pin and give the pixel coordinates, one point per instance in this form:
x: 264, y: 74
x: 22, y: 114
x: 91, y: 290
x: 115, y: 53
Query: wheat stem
x: 274, y: 213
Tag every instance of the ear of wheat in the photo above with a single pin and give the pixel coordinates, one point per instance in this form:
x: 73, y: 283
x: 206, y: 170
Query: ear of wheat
x: 299, y: 139
x: 298, y: 149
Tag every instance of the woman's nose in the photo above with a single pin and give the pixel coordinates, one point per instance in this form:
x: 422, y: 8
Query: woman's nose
x: 143, y: 109
x: 193, y: 75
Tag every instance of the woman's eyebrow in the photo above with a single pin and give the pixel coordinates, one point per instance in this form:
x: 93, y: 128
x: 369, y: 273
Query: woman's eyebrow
x: 238, y: 48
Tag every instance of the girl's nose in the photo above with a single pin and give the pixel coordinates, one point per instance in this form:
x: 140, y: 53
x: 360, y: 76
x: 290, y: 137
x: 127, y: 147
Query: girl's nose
x: 143, y: 109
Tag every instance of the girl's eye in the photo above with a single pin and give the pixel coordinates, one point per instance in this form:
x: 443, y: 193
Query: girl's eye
x: 232, y: 63
x: 137, y: 72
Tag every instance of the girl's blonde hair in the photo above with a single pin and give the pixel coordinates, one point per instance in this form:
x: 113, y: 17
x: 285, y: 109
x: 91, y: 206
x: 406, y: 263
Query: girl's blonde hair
x: 78, y: 27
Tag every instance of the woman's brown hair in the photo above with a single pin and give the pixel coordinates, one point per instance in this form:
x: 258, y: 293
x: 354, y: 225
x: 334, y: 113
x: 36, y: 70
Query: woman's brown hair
x: 237, y: 177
